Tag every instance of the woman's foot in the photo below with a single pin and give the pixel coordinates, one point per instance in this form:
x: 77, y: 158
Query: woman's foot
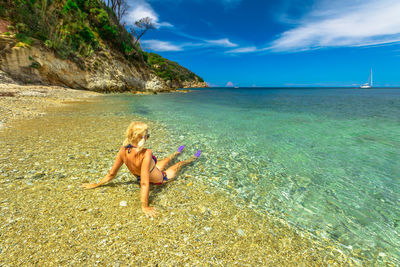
x: 180, y: 149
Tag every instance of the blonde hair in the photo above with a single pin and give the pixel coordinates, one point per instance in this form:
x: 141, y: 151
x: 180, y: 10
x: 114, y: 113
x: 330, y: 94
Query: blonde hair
x: 135, y: 134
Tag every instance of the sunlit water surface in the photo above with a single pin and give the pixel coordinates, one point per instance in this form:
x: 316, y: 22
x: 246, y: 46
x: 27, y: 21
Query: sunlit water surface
x: 327, y: 160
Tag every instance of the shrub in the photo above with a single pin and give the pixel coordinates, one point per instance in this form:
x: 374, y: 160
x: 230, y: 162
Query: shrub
x: 69, y: 5
x: 100, y: 15
x: 3, y: 10
x: 23, y: 38
x: 11, y: 28
x: 89, y: 51
x: 21, y: 28
x: 87, y: 35
x: 49, y: 44
x: 35, y: 65
x: 145, y: 56
x: 127, y: 48
x: 6, y: 33
x: 80, y: 4
x: 108, y: 32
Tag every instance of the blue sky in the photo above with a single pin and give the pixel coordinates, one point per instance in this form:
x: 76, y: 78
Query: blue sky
x: 278, y: 42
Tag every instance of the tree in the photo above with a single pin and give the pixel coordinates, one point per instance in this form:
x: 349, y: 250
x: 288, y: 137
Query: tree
x: 120, y: 7
x: 141, y: 27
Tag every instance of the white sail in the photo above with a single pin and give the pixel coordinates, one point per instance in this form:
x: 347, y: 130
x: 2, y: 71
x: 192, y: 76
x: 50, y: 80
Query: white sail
x: 371, y: 77
x: 369, y: 83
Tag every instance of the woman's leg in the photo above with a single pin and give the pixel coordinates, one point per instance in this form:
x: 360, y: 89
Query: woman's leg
x: 173, y: 170
x: 164, y: 162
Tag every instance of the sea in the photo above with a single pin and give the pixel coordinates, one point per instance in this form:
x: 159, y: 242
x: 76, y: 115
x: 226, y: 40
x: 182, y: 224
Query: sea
x: 327, y: 160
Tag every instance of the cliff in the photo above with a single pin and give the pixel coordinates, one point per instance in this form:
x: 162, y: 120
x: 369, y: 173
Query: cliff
x: 80, y: 45
x: 37, y: 64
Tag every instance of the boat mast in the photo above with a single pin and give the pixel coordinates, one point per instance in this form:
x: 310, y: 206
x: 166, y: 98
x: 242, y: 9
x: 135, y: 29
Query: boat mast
x: 371, y: 77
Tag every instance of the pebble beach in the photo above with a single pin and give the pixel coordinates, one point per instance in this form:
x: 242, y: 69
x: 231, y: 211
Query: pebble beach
x: 29, y: 101
x: 67, y: 138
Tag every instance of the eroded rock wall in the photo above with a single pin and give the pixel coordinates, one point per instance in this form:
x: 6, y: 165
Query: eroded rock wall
x: 104, y: 71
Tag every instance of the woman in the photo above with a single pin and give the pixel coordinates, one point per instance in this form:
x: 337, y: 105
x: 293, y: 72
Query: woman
x: 143, y: 164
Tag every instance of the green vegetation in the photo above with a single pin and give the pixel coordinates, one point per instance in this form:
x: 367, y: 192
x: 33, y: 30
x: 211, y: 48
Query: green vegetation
x: 23, y: 38
x: 35, y: 65
x: 169, y: 70
x: 76, y: 29
x: 73, y: 28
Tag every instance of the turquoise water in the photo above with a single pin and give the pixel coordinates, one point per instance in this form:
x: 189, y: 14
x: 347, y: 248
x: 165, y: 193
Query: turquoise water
x: 327, y: 160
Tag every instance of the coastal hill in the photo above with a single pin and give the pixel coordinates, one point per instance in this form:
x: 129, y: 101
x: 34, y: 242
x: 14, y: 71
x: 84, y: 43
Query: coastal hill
x: 82, y: 45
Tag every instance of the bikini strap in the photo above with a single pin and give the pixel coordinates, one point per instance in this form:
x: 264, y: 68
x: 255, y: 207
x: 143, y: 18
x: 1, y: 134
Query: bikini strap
x: 154, y: 158
x: 129, y: 147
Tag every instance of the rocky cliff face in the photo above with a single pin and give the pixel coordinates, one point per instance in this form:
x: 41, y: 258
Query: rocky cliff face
x: 83, y: 45
x: 104, y: 71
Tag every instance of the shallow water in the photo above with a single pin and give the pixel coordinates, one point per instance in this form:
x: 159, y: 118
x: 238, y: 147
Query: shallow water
x: 327, y: 160
x: 298, y: 165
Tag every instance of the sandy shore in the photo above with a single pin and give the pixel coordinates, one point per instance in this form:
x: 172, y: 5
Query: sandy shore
x: 29, y: 101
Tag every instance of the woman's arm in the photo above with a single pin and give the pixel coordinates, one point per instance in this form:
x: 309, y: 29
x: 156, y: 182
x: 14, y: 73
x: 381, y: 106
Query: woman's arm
x: 145, y: 184
x: 111, y: 174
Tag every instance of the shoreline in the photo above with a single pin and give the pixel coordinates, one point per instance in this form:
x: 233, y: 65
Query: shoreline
x: 30, y: 101
x: 203, y: 218
x: 22, y: 101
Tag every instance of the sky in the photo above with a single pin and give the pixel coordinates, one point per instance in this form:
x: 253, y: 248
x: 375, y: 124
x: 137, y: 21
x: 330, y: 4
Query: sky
x: 250, y: 43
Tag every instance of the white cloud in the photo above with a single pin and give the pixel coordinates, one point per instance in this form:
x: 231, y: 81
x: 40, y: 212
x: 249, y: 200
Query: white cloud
x: 339, y: 24
x: 249, y: 49
x: 221, y: 42
x: 160, y: 46
x: 140, y: 9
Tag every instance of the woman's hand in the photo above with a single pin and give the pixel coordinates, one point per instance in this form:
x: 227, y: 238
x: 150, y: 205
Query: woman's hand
x: 149, y: 211
x: 89, y: 186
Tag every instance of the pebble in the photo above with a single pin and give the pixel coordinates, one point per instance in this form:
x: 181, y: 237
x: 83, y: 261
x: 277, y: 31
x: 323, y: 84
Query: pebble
x: 240, y: 232
x: 123, y: 203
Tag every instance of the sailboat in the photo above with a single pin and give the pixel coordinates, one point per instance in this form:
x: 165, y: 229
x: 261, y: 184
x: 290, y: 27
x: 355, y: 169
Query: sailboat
x: 368, y: 84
